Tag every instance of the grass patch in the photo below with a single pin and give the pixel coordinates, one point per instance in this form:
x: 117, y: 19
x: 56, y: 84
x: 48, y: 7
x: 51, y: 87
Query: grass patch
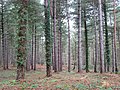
x: 53, y: 80
x: 81, y: 87
x: 59, y: 86
x: 7, y: 74
x: 34, y: 86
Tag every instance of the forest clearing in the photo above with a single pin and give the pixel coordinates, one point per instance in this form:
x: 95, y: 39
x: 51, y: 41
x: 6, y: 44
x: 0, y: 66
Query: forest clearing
x: 37, y: 80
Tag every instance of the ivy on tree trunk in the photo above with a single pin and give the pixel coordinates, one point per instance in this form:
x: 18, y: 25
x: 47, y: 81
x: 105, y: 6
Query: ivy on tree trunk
x: 48, y: 38
x: 21, y: 55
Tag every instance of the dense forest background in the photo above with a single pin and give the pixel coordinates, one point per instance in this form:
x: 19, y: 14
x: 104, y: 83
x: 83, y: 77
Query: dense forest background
x: 60, y: 36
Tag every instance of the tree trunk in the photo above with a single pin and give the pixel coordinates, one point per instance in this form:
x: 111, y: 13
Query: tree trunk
x: 54, y: 30
x: 79, y: 38
x: 60, y: 48
x: 35, y: 48
x: 107, y: 50
x: 75, y: 53
x: 86, y: 41
x: 115, y: 48
x: 32, y: 59
x: 21, y: 56
x: 38, y: 50
x: 101, y: 38
x: 113, y: 55
x: 7, y: 52
x: 28, y: 60
x: 119, y: 46
x: 68, y: 24
x: 47, y: 38
x: 69, y: 50
x: 3, y: 36
x: 1, y: 43
x: 7, y: 47
x: 96, y: 43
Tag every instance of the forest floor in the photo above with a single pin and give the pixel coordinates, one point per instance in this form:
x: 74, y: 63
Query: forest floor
x: 37, y: 80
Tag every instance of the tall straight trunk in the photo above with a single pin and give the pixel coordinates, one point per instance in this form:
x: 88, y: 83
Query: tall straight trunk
x: 0, y: 50
x: 86, y: 40
x: 113, y: 55
x: 53, y: 62
x: 60, y: 48
x: 107, y: 50
x: 13, y: 50
x: 38, y: 50
x: 7, y: 52
x: 115, y: 48
x: 7, y: 47
x: 42, y: 61
x: 3, y: 35
x: 35, y: 46
x: 68, y: 24
x: 13, y: 56
x: 28, y: 56
x: 96, y: 43
x: 74, y: 54
x: 52, y: 40
x: 28, y: 60
x: 59, y: 39
x: 54, y: 30
x: 47, y: 38
x: 52, y: 33
x: 101, y: 38
x: 79, y: 38
x: 119, y: 43
x: 21, y: 56
x: 32, y: 59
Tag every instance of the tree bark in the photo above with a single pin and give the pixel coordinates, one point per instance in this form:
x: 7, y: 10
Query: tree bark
x: 68, y: 24
x: 107, y: 51
x: 86, y: 41
x: 113, y: 55
x: 96, y: 43
x: 21, y: 56
x: 35, y: 53
x: 32, y: 59
x: 115, y: 48
x: 3, y: 36
x: 1, y: 44
x: 54, y: 30
x: 79, y: 38
x: 7, y: 52
x: 60, y: 48
x: 101, y: 38
x: 48, y: 38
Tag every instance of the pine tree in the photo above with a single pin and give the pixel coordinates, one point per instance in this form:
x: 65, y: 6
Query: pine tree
x: 101, y: 38
x: 96, y: 42
x: 107, y: 51
x: 115, y: 47
x: 68, y: 25
x: 47, y: 38
x: 21, y: 57
x: 86, y: 40
x: 55, y: 36
x: 79, y: 38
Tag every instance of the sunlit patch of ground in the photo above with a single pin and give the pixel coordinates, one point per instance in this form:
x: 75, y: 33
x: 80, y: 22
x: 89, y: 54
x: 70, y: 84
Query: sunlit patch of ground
x: 37, y: 80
